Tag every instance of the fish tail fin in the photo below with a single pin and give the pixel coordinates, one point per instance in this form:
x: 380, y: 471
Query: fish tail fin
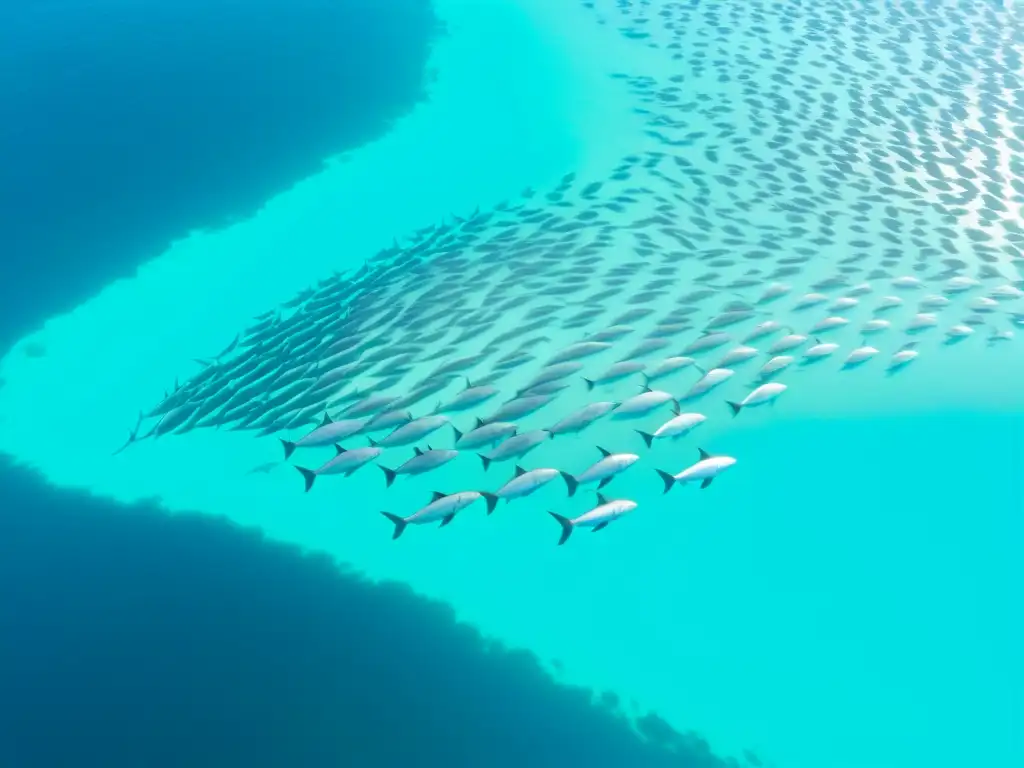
x: 648, y: 438
x: 647, y: 380
x: 492, y: 501
x: 486, y: 461
x: 570, y: 482
x: 399, y: 524
x: 589, y: 383
x: 734, y: 407
x: 289, y: 448
x: 703, y: 371
x: 667, y: 478
x: 566, y: 524
x: 308, y: 475
x: 389, y: 475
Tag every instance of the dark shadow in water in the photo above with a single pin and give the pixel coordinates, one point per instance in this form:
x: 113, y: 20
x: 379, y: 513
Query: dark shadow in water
x: 127, y: 124
x: 131, y: 638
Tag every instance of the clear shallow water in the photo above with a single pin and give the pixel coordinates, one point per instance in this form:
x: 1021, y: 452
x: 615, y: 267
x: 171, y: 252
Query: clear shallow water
x: 831, y: 602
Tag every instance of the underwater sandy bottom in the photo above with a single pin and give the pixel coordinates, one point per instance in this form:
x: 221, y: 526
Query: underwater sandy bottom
x: 846, y: 599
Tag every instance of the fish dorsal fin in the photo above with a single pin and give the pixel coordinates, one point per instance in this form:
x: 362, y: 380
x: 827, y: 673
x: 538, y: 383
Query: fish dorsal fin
x: 418, y: 451
x: 520, y: 471
x: 601, y: 500
x: 704, y: 455
x: 436, y: 495
x: 603, y: 451
x: 479, y: 422
x: 339, y: 449
x: 371, y: 441
x: 326, y: 420
x: 645, y: 388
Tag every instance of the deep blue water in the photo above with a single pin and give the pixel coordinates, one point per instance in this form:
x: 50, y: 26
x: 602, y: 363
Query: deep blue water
x: 131, y: 638
x: 125, y: 124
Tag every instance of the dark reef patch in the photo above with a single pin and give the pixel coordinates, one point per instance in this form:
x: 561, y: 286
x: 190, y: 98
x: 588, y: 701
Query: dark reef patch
x: 132, y: 638
x: 128, y: 124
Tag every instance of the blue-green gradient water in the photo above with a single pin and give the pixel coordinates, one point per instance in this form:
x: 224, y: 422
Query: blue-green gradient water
x: 844, y: 596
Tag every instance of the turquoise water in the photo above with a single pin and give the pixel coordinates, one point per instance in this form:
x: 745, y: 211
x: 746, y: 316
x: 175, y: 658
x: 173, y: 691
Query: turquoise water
x: 845, y: 595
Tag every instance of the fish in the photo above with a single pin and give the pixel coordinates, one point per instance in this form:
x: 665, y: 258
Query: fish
x: 858, y: 357
x: 596, y: 519
x: 712, y: 379
x: 642, y: 404
x: 829, y: 323
x: 328, y: 433
x: 818, y: 352
x: 901, y: 359
x: 617, y: 372
x: 775, y: 365
x: 669, y: 366
x: 466, y: 399
x: 875, y: 326
x: 581, y: 349
x: 704, y: 471
x: 958, y: 333
x: 442, y: 507
x: 706, y: 343
x: 423, y: 461
x: 602, y: 472
x: 787, y: 343
x: 483, y: 434
x: 409, y: 433
x: 579, y: 420
x: 515, y: 447
x: 679, y: 425
x: 737, y: 355
x: 344, y: 463
x: 761, y: 330
x: 766, y: 394
x: 524, y: 483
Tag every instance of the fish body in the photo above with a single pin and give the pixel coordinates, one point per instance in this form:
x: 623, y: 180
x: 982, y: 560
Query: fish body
x: 858, y: 357
x: 345, y: 463
x: 766, y: 394
x: 578, y: 421
x: 484, y: 434
x: 524, y: 483
x: 516, y: 446
x: 786, y: 343
x: 442, y: 507
x: 703, y: 471
x: 676, y: 427
x: 602, y: 471
x: 642, y: 404
x: 617, y: 372
x: 415, y: 430
x: 713, y: 378
x: 597, y: 518
x: 328, y: 433
x: 423, y: 461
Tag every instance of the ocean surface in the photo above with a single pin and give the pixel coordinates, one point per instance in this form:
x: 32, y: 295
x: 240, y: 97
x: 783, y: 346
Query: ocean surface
x: 221, y: 220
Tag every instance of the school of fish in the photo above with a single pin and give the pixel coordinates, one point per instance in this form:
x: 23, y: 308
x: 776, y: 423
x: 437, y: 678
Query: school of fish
x: 828, y: 184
